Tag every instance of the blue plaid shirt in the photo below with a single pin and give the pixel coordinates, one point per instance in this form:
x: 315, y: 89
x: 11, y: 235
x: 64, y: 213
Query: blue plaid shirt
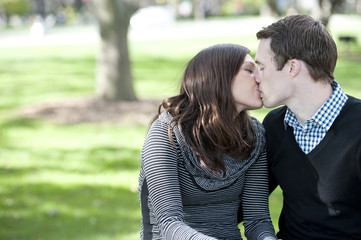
x: 315, y: 129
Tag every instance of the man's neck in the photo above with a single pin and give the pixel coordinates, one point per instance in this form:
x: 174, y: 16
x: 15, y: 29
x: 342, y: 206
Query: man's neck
x: 309, y: 99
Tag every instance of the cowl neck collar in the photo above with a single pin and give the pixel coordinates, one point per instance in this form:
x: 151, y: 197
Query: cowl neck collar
x: 209, y: 180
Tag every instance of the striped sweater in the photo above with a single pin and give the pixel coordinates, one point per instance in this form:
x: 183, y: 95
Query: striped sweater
x: 181, y: 200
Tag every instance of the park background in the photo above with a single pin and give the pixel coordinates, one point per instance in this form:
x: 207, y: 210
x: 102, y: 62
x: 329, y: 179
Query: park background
x: 69, y: 160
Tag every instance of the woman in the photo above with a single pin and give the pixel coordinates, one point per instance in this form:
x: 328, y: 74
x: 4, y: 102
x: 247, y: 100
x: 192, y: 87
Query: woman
x: 204, y: 155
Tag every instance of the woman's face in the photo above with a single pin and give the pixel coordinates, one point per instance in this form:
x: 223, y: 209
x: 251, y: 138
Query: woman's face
x: 245, y: 88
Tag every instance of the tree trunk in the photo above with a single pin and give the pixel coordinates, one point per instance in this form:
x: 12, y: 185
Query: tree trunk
x: 205, y: 8
x: 40, y: 8
x: 200, y: 9
x: 114, y: 77
x: 272, y: 4
x: 174, y: 6
x: 325, y: 9
x: 322, y: 11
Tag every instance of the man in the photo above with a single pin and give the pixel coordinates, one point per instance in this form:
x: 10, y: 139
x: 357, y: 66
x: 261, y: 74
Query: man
x: 314, y: 140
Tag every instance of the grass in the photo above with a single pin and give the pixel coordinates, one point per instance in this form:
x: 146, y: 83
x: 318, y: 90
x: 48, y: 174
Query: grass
x: 79, y: 181
x: 30, y: 75
x: 69, y: 182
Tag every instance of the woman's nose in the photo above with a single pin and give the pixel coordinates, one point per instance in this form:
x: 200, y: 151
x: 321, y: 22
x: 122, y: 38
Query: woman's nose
x: 257, y: 77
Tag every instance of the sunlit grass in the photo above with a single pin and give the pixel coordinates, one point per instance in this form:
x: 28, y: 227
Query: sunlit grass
x: 34, y: 74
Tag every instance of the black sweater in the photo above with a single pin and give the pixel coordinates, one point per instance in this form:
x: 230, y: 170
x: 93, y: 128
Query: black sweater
x: 321, y: 189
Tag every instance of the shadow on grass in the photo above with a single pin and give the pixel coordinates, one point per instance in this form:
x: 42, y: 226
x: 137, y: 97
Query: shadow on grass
x: 19, y: 122
x: 57, y: 61
x: 50, y: 211
x: 79, y: 161
x: 99, y: 156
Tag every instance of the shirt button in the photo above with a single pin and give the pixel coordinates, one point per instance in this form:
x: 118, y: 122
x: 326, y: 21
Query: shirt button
x: 307, y: 138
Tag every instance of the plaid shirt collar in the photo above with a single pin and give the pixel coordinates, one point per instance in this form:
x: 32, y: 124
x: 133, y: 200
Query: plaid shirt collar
x: 326, y: 115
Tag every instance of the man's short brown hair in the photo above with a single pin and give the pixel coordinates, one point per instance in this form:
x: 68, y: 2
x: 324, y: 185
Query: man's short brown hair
x: 301, y: 37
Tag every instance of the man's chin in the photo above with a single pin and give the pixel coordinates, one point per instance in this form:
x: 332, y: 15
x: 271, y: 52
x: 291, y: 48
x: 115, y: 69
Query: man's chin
x: 268, y: 104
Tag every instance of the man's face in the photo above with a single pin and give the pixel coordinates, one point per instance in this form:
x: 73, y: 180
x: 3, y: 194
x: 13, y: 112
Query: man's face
x: 275, y: 86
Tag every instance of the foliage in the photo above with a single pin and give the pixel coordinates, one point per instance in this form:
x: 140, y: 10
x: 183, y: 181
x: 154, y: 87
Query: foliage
x: 242, y: 7
x: 19, y: 7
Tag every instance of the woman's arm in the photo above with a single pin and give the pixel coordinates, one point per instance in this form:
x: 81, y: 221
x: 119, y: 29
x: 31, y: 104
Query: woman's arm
x: 257, y: 222
x: 160, y: 163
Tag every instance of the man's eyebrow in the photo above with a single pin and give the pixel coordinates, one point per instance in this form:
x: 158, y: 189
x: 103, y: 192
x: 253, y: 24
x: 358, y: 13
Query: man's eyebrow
x: 258, y: 62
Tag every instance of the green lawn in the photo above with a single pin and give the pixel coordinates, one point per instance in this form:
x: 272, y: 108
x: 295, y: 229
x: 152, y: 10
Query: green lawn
x: 79, y: 181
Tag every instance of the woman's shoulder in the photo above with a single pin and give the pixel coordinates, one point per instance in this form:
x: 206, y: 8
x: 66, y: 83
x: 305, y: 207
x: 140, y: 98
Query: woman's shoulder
x: 165, y: 117
x: 161, y: 126
x: 162, y: 121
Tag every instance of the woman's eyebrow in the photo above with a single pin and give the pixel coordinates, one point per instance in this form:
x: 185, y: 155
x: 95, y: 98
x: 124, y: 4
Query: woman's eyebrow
x: 248, y: 62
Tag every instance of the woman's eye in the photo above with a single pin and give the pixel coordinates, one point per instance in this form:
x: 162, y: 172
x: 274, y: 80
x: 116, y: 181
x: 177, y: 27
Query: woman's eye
x: 249, y: 70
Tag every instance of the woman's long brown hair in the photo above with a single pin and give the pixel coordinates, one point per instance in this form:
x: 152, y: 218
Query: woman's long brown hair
x: 205, y: 110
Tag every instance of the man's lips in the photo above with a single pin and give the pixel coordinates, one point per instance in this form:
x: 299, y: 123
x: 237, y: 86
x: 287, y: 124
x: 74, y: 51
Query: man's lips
x: 260, y: 93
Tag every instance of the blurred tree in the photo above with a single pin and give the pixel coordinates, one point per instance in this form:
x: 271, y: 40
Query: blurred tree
x: 323, y: 10
x: 272, y: 4
x: 14, y: 7
x: 205, y: 8
x: 326, y: 8
x: 174, y: 5
x: 114, y: 77
x: 39, y: 8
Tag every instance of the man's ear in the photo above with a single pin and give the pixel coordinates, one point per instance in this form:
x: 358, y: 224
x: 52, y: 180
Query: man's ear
x: 294, y: 67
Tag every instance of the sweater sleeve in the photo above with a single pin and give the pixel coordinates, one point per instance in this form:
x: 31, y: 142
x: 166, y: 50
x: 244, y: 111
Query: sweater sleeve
x: 160, y: 163
x: 257, y: 222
